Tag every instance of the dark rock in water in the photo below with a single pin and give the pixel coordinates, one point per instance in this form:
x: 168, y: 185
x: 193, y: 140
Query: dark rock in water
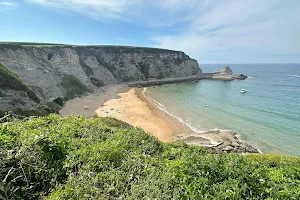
x: 240, y: 77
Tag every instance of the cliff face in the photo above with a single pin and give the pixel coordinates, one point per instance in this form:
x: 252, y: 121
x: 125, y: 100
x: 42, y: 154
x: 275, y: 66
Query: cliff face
x: 56, y: 73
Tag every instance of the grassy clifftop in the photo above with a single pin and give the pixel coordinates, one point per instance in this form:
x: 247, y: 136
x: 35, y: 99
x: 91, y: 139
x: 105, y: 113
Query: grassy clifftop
x: 110, y: 48
x: 101, y: 158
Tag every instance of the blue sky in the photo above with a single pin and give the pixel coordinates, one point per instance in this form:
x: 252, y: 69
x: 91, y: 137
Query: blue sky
x: 211, y: 31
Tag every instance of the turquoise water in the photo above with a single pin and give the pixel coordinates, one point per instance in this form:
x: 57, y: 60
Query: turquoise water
x: 267, y: 116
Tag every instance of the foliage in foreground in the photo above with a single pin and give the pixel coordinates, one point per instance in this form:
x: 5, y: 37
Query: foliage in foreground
x: 101, y: 158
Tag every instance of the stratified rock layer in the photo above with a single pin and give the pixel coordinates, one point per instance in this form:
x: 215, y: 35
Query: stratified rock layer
x: 57, y: 73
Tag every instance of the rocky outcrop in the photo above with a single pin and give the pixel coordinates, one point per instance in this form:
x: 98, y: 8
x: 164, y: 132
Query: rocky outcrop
x: 226, y: 71
x: 48, y: 75
x: 239, y: 77
x: 226, y: 74
x: 219, y: 141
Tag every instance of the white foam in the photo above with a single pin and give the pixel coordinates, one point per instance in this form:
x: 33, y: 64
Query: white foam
x: 250, y: 76
x: 163, y: 108
x: 154, y: 101
x: 197, y: 130
x: 295, y: 75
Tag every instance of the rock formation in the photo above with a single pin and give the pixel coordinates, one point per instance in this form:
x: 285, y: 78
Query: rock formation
x: 226, y: 74
x: 44, y: 77
x: 226, y: 71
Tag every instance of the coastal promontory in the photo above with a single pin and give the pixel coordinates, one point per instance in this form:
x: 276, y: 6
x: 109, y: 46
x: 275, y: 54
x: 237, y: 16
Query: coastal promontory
x: 43, y: 76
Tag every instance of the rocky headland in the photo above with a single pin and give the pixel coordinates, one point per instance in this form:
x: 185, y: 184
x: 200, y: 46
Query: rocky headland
x: 37, y: 79
x: 226, y: 74
x: 40, y: 79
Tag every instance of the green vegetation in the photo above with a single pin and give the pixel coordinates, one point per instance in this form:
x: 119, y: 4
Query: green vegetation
x: 9, y: 80
x: 102, y: 158
x: 31, y: 44
x: 111, y: 47
x: 73, y: 86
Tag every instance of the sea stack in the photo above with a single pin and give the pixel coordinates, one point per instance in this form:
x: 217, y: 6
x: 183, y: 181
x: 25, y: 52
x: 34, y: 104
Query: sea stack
x: 226, y: 71
x: 226, y: 74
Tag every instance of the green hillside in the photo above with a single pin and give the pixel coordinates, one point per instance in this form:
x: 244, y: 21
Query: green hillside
x: 31, y: 44
x: 112, y: 47
x: 101, y: 158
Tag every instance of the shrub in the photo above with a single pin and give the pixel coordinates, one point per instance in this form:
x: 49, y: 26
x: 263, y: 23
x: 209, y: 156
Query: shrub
x: 102, y: 158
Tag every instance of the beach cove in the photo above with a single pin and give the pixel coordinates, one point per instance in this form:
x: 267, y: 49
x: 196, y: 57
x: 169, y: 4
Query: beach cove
x: 135, y: 107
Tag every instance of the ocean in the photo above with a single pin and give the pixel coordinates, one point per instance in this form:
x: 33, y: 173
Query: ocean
x: 267, y: 116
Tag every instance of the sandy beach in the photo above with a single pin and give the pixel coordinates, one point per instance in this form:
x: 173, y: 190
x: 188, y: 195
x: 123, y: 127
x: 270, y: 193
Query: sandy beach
x: 92, y: 101
x: 132, y: 106
x: 133, y: 109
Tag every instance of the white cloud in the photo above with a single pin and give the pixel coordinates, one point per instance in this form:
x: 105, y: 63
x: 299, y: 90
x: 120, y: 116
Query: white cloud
x: 6, y: 4
x: 203, y: 27
x: 94, y: 8
x: 240, y: 27
x: 152, y: 13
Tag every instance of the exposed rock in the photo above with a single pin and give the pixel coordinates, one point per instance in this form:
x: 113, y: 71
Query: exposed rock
x: 226, y: 74
x: 226, y: 71
x: 228, y: 148
x: 219, y: 141
x: 36, y: 77
x: 240, y: 77
x: 235, y: 144
x: 45, y: 74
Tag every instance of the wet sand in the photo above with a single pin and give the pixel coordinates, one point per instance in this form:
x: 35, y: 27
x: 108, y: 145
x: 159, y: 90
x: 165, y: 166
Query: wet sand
x: 132, y: 106
x: 133, y: 109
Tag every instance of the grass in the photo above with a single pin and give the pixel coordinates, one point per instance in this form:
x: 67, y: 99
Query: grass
x: 31, y: 44
x: 102, y: 158
x: 38, y: 44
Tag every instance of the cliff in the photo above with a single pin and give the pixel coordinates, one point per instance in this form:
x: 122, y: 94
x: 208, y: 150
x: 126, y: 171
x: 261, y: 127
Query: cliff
x: 38, y: 78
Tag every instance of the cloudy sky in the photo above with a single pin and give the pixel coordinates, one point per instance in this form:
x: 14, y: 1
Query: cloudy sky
x: 211, y: 31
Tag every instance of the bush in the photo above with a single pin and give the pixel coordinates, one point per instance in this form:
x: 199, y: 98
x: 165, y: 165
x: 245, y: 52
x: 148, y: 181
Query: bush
x: 102, y: 158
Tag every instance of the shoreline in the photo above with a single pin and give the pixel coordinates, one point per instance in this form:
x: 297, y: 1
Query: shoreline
x: 134, y: 107
x: 215, y: 140
x: 136, y: 112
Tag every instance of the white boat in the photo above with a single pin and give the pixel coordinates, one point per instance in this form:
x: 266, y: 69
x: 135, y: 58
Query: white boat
x: 243, y: 91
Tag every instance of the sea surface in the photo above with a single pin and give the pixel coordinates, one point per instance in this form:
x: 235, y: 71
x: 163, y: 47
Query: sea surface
x: 267, y: 116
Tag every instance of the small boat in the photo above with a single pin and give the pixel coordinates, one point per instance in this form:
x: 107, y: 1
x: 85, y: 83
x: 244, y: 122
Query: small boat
x: 243, y: 91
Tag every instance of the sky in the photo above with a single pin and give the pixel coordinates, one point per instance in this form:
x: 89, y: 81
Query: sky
x: 211, y: 31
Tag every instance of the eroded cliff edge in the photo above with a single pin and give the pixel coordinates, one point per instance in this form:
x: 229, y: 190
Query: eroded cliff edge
x: 39, y: 78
